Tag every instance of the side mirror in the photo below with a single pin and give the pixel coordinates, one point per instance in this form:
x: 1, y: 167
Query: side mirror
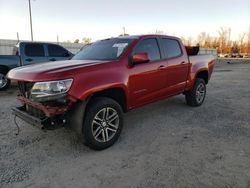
x: 140, y: 58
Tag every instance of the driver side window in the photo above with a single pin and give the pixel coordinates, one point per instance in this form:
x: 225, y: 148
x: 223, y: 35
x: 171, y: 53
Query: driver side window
x: 149, y: 46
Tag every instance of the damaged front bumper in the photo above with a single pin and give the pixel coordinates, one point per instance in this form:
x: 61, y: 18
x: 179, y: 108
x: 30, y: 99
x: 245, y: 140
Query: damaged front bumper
x: 50, y: 115
x: 22, y: 114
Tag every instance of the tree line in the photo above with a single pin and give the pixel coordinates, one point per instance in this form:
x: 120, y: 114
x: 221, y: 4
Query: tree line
x: 222, y: 42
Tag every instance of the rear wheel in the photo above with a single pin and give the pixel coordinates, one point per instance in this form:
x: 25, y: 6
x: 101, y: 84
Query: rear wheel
x: 4, y: 82
x: 196, y: 96
x: 103, y: 123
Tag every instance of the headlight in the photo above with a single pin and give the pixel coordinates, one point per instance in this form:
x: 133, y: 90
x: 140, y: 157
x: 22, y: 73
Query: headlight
x: 50, y: 88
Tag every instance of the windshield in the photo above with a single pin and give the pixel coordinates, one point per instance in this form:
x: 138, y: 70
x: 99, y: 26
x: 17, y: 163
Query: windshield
x: 109, y: 49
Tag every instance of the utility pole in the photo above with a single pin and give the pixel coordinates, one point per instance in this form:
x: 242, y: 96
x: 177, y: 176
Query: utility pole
x: 124, y: 32
x: 17, y: 36
x: 31, y: 30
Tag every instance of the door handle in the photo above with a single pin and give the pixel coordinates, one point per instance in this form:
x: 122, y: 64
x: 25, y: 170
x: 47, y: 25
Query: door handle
x: 29, y: 59
x: 161, y: 67
x: 183, y: 62
x: 52, y: 59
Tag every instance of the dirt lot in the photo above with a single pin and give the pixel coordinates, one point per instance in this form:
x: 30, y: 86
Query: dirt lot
x: 165, y: 144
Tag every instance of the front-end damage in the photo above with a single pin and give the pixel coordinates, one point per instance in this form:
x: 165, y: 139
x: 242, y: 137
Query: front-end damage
x: 47, y: 114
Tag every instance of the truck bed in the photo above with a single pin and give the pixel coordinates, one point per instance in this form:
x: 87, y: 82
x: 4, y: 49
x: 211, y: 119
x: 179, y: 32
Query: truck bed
x: 203, y: 61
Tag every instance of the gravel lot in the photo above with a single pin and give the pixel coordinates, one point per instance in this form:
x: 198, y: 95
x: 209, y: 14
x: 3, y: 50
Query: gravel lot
x: 165, y: 144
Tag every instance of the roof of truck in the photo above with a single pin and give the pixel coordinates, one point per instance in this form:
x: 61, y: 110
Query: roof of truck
x: 140, y: 36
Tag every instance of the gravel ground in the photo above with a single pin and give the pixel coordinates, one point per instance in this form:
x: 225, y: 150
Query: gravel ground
x: 165, y: 144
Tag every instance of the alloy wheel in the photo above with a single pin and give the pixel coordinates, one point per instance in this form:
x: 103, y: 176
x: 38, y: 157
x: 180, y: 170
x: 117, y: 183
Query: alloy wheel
x: 200, y: 92
x: 3, y: 80
x: 105, y: 124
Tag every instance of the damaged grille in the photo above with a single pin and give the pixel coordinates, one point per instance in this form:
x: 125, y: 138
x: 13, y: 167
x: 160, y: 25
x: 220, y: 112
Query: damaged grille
x: 35, y: 112
x: 25, y: 91
x: 25, y: 88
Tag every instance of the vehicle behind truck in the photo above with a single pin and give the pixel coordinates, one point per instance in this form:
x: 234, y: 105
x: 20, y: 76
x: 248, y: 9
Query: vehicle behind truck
x: 26, y: 53
x: 91, y: 92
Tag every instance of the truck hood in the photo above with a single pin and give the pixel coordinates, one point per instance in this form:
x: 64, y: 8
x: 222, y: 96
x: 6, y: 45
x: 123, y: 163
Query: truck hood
x: 51, y: 70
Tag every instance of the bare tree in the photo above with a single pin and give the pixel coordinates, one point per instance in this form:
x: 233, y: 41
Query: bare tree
x: 202, y: 39
x: 248, y: 41
x: 86, y: 40
x: 76, y: 41
x: 187, y: 41
x: 224, y: 39
x: 222, y: 42
x: 235, y: 47
x: 241, y: 41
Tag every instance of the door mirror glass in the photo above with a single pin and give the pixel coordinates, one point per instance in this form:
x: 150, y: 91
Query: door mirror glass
x: 140, y: 58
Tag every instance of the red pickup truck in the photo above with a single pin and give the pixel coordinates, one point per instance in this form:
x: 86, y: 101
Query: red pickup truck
x: 91, y: 91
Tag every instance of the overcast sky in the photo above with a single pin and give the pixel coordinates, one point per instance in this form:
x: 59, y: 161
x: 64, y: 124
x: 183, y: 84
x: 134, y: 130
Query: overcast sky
x: 72, y: 19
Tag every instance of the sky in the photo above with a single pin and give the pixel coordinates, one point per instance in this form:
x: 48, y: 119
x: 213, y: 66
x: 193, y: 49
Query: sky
x: 98, y: 19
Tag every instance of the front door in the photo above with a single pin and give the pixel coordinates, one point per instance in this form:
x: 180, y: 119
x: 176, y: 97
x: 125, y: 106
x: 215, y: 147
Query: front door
x: 148, y: 80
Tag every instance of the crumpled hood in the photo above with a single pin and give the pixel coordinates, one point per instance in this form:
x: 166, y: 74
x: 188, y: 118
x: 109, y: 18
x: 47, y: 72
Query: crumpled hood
x: 51, y: 70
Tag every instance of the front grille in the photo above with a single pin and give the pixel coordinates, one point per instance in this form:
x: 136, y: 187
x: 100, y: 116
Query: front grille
x: 25, y: 88
x: 25, y: 91
x: 35, y: 112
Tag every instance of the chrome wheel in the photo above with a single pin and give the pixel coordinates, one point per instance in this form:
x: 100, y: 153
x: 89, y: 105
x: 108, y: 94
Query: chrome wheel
x: 105, y: 124
x: 200, y: 92
x: 3, y: 81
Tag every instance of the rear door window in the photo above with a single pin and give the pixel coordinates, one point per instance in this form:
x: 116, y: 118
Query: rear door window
x: 149, y: 46
x: 34, y: 50
x: 57, y: 51
x: 171, y: 47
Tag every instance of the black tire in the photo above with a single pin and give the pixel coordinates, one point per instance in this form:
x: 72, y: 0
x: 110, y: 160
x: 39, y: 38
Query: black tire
x: 4, y: 82
x: 195, y: 97
x: 94, y: 123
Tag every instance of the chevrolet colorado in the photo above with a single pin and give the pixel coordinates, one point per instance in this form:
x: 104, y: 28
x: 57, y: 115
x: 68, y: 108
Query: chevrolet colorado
x: 25, y: 53
x: 91, y: 91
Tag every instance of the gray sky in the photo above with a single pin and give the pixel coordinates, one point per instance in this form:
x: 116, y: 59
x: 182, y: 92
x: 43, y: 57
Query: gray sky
x: 97, y: 19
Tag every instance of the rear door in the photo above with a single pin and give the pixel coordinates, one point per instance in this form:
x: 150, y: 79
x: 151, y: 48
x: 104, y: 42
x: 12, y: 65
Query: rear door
x: 56, y: 53
x: 177, y: 70
x: 147, y: 81
x: 32, y: 53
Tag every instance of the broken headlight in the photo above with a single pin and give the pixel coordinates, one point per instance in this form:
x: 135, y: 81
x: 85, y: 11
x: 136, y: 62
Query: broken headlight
x: 50, y: 88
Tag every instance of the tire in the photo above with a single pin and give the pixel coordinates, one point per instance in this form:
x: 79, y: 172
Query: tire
x: 103, y: 123
x: 196, y: 96
x: 4, y: 82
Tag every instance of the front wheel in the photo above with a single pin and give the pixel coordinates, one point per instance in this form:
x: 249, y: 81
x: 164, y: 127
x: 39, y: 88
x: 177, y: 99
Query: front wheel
x: 103, y: 123
x: 196, y: 96
x: 4, y: 82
